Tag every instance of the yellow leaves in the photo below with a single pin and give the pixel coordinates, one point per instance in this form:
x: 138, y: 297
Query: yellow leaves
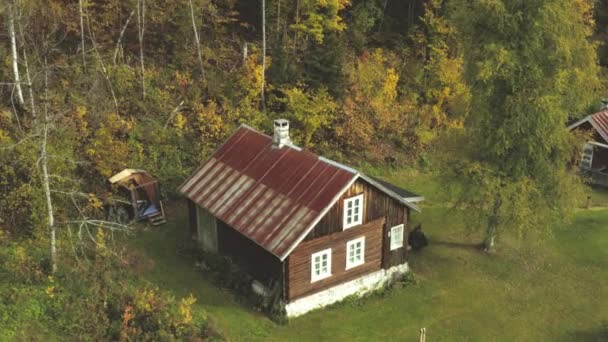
x: 185, y: 309
x: 389, y: 89
x: 100, y: 242
x: 50, y: 289
x: 312, y: 110
x: 94, y: 202
x: 108, y: 148
x: 180, y: 122
x: 321, y: 16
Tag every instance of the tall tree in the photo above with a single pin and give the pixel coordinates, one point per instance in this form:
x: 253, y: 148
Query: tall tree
x: 12, y: 14
x: 141, y: 27
x: 196, y: 39
x: 529, y: 65
x: 82, y: 48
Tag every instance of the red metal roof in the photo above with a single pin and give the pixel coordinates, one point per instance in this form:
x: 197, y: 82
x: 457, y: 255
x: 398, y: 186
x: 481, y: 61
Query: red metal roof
x: 600, y: 122
x: 271, y: 195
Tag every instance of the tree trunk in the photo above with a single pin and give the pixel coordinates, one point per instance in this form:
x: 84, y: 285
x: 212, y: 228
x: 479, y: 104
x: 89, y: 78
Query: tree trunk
x: 197, y: 40
x: 141, y: 26
x: 122, y: 33
x: 45, y: 174
x: 493, y: 221
x: 28, y: 78
x: 295, y: 34
x: 15, y: 56
x: 263, y: 53
x: 84, y: 60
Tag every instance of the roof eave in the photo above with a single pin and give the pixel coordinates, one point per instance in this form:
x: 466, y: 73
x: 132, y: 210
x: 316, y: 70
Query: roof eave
x: 391, y: 193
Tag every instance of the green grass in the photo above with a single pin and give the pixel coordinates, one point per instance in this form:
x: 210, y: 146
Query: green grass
x: 553, y: 290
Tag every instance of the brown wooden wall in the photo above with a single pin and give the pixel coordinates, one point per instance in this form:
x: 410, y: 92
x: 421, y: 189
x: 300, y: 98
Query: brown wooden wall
x: 376, y: 205
x: 299, y: 261
x: 192, y: 218
x: 258, y: 262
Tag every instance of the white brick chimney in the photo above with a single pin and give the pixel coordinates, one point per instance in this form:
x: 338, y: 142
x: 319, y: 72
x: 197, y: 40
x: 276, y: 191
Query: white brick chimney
x: 281, y: 133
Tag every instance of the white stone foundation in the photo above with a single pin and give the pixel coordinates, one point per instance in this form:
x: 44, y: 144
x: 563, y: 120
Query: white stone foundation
x: 358, y: 287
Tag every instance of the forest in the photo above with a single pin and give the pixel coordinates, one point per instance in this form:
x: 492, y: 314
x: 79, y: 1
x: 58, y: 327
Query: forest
x: 479, y: 93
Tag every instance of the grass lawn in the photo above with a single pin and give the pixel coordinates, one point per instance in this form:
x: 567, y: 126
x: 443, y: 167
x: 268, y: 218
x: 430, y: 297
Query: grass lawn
x: 555, y: 290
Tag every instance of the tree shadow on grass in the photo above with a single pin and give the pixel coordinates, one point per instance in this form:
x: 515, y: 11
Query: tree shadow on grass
x: 598, y: 335
x: 462, y: 245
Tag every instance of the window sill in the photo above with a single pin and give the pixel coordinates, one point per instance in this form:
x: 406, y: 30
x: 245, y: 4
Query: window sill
x: 344, y: 227
x: 314, y: 280
x: 348, y: 267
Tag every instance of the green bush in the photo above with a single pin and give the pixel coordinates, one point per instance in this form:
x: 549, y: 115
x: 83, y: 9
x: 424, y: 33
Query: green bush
x: 95, y: 299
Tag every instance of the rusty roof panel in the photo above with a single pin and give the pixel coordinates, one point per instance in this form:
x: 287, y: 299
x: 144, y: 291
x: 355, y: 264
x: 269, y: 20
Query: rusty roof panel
x: 271, y: 195
x: 600, y: 121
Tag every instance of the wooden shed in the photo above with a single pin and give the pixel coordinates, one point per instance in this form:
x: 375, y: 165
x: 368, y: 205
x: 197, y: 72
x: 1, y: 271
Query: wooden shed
x: 144, y: 193
x: 594, y: 160
x: 321, y: 229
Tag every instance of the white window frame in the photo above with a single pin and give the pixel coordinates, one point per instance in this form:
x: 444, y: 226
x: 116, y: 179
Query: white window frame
x: 345, y: 215
x: 313, y: 276
x: 350, y: 245
x: 397, y: 244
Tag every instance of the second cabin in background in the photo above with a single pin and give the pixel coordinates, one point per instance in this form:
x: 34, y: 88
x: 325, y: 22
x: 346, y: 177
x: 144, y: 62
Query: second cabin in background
x: 317, y: 229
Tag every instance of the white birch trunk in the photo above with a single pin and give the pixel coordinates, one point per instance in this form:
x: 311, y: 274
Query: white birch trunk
x: 84, y: 60
x: 122, y: 33
x: 141, y: 24
x: 29, y: 84
x: 45, y: 176
x: 15, y: 56
x: 197, y: 40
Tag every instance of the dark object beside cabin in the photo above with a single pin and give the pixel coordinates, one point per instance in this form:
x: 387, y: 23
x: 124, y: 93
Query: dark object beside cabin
x: 417, y: 239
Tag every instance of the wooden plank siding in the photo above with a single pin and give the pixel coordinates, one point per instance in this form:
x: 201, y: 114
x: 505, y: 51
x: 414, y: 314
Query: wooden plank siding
x: 192, y: 219
x: 255, y: 260
x: 376, y: 205
x: 299, y: 261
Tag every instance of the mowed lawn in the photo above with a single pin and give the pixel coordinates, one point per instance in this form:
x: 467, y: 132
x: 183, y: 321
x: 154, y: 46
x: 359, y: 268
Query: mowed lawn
x: 552, y: 290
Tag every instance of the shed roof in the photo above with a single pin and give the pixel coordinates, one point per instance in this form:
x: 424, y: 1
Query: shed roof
x: 405, y: 194
x: 273, y: 196
x: 599, y: 121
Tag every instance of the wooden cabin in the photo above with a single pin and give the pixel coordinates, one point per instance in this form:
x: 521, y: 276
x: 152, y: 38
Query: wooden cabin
x: 321, y: 229
x: 594, y: 161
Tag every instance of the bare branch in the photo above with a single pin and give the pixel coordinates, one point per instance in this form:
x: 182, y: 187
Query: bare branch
x: 177, y: 109
x: 197, y: 40
x: 19, y: 142
x: 101, y: 63
x: 122, y: 33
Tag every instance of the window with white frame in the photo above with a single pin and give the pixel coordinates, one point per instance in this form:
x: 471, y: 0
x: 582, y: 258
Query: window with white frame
x: 320, y: 267
x: 353, y: 211
x: 396, y: 237
x: 355, y: 252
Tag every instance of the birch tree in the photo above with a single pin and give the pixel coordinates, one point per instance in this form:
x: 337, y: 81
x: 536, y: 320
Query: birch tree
x: 44, y: 161
x: 141, y: 27
x: 82, y: 47
x: 12, y: 15
x: 528, y: 64
x: 196, y: 39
